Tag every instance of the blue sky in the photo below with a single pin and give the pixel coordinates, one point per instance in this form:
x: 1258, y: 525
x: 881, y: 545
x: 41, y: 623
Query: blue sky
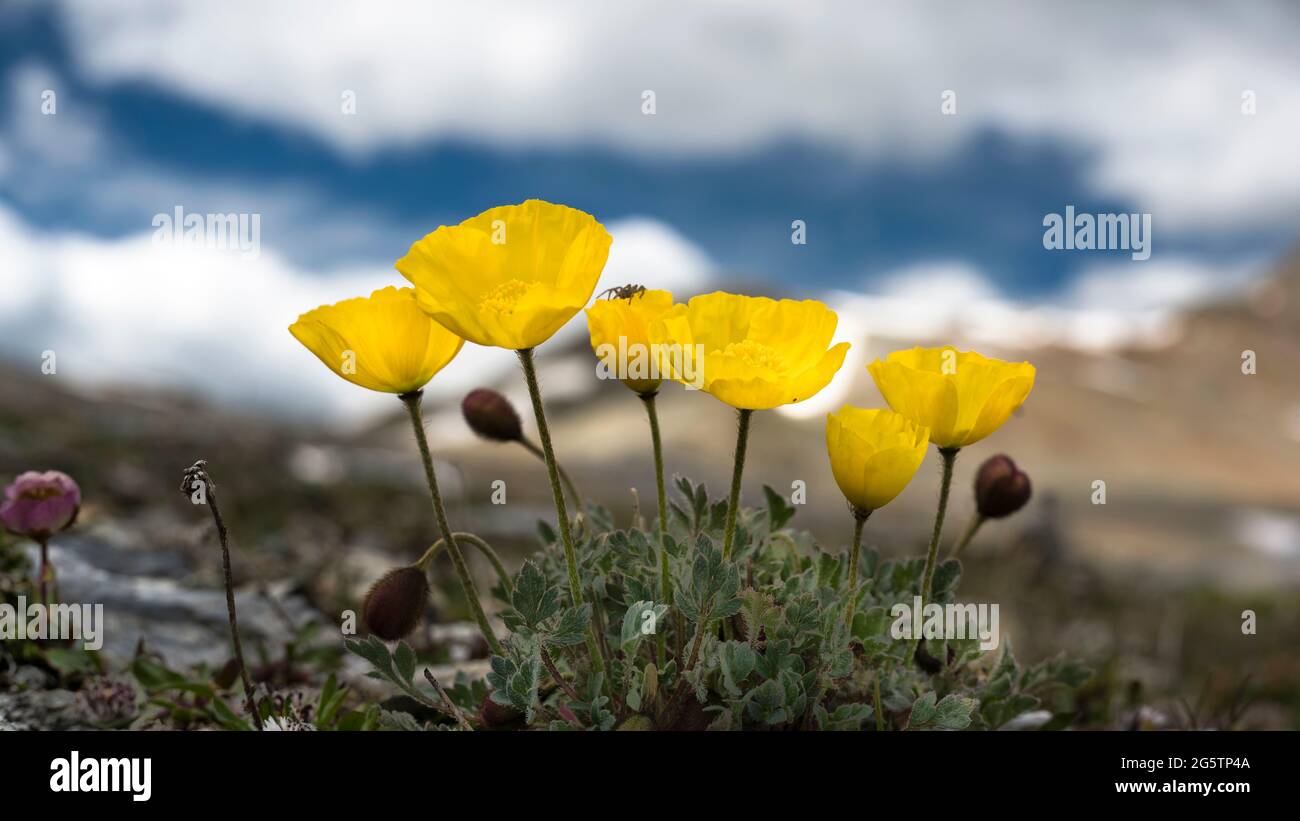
x: 765, y: 114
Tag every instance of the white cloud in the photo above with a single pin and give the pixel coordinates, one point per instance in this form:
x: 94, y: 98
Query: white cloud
x: 1106, y: 307
x: 64, y: 137
x: 1152, y: 91
x: 128, y: 311
x: 648, y: 252
x: 1152, y: 285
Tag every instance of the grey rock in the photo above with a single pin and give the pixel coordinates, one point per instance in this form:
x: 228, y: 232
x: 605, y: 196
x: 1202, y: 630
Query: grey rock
x: 142, y: 602
x: 40, y: 710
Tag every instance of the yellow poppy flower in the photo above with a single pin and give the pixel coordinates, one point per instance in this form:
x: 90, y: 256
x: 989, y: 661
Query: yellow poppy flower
x: 620, y: 336
x: 383, y: 342
x: 960, y: 396
x: 512, y: 276
x: 753, y: 353
x: 874, y: 454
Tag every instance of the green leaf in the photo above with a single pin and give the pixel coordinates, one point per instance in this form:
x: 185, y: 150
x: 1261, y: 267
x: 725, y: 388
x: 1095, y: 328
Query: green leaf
x: 545, y: 533
x: 870, y: 623
x: 331, y: 700
x: 846, y: 717
x: 572, y: 626
x: 710, y: 591
x: 226, y: 717
x: 946, y: 578
x: 398, y: 720
x: 923, y: 710
x: 766, y: 703
x: 154, y: 677
x: 778, y: 510
x: 736, y: 661
x: 374, y: 651
x: 534, y: 598
x: 777, y: 658
x: 954, y: 712
x: 759, y: 612
x: 68, y: 660
x: 640, y: 616
x: 404, y: 659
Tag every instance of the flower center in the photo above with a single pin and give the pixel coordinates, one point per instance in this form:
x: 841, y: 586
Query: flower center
x: 39, y: 493
x: 503, y: 298
x: 754, y: 354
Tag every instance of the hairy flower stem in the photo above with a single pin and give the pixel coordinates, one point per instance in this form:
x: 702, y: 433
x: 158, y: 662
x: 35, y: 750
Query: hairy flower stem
x: 733, y: 504
x: 45, y: 573
x: 859, y: 519
x: 975, y: 522
x: 412, y: 402
x: 557, y: 493
x: 682, y: 685
x: 949, y: 459
x: 880, y: 715
x: 197, y: 478
x: 549, y: 663
x: 425, y: 561
x: 578, y: 501
x: 665, y: 581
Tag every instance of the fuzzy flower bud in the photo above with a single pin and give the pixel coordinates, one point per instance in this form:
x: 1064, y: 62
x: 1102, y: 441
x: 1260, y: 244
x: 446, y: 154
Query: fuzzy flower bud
x: 395, y: 603
x: 1000, y: 487
x: 38, y: 505
x: 490, y: 415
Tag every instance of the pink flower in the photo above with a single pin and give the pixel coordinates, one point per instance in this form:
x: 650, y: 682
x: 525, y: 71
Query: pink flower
x: 38, y: 505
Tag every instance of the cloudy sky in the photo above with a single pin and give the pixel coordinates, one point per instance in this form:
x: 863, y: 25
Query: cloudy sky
x: 353, y: 128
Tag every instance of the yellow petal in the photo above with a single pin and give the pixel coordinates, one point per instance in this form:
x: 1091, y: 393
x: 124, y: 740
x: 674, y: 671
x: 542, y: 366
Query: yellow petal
x: 621, y: 328
x: 961, y: 396
x: 383, y: 342
x: 511, y: 276
x: 926, y: 398
x: 757, y: 353
x: 873, y: 454
x: 819, y: 375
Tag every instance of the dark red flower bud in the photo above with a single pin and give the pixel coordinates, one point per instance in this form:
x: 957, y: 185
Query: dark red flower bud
x: 1000, y: 487
x: 490, y: 415
x: 493, y: 716
x: 396, y: 602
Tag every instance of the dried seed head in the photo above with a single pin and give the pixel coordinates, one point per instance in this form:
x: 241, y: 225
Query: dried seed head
x: 490, y: 415
x: 395, y: 603
x: 1000, y: 487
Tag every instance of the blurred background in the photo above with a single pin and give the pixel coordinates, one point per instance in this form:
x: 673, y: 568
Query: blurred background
x: 918, y: 146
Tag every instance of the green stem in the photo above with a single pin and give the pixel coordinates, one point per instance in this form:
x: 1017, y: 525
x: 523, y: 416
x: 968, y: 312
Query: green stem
x: 859, y: 519
x: 733, y: 505
x: 682, y: 685
x: 486, y: 549
x: 560, y: 681
x: 412, y: 403
x: 578, y: 501
x: 880, y: 715
x: 665, y: 580
x: 44, y: 573
x: 949, y: 459
x: 557, y: 493
x: 975, y: 522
